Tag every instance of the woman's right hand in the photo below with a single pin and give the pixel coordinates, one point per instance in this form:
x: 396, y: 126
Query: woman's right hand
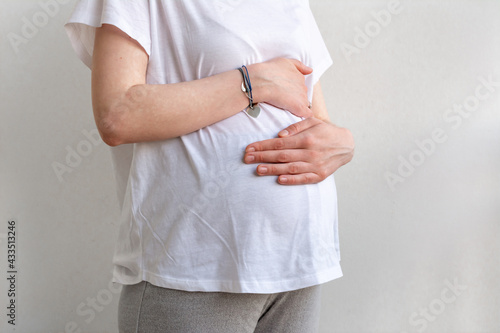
x: 281, y: 83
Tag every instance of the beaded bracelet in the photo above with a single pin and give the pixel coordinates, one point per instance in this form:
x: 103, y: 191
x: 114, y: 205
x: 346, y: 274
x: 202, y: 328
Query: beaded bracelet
x: 246, y: 86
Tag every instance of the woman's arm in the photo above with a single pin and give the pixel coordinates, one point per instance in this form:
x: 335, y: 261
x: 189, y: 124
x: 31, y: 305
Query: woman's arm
x: 318, y: 104
x: 128, y: 110
x: 306, y: 152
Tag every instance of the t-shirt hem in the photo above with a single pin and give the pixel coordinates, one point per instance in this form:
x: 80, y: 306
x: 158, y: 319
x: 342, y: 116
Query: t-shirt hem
x: 255, y: 287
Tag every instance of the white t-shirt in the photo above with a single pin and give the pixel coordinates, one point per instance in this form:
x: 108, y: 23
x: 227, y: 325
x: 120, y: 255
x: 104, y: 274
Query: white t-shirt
x: 194, y: 216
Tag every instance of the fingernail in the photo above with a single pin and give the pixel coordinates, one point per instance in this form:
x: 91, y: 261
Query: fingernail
x: 250, y: 149
x: 249, y: 158
x: 283, y: 133
x: 262, y: 169
x: 283, y: 179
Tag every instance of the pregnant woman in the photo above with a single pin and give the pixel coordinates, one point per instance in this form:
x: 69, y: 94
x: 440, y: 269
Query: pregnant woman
x: 192, y: 95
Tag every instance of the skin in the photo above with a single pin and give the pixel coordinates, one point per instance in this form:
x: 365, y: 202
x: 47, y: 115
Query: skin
x: 306, y: 152
x: 127, y: 110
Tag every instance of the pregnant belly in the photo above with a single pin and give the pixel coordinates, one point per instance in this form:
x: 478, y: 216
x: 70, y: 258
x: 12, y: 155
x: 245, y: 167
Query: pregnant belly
x: 201, y: 176
x: 216, y: 157
x: 194, y: 195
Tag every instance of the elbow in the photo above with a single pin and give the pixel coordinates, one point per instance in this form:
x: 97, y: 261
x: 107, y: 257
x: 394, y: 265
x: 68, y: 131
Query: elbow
x: 110, y: 127
x: 111, y: 139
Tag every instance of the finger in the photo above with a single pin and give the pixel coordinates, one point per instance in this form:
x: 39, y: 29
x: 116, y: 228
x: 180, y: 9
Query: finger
x: 298, y: 127
x: 273, y: 144
x: 282, y: 156
x: 306, y: 70
x: 292, y: 142
x: 299, y: 105
x: 303, y: 111
x: 283, y: 169
x: 301, y: 179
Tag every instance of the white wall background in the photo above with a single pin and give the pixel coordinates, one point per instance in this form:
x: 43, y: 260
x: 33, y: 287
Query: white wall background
x: 420, y: 252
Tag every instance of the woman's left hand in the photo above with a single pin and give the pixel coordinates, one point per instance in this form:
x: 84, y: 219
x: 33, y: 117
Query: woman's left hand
x: 306, y: 152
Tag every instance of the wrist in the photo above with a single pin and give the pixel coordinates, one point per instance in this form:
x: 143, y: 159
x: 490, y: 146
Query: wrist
x: 260, y: 87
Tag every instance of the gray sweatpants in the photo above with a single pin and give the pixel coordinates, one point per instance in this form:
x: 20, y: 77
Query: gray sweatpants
x: 145, y: 308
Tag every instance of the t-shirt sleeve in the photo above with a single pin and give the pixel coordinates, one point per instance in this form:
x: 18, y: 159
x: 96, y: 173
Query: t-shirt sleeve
x: 132, y: 17
x: 320, y: 57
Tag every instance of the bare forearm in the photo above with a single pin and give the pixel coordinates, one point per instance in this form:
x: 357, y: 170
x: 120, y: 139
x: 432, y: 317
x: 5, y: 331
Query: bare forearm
x: 319, y: 105
x: 127, y: 110
x: 148, y: 112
